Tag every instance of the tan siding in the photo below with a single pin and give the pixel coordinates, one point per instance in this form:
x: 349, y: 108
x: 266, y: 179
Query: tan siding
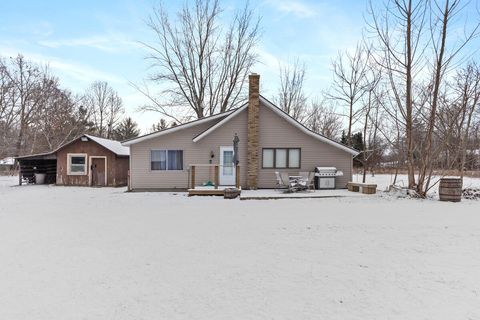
x: 274, y: 132
x: 193, y: 153
x: 277, y: 132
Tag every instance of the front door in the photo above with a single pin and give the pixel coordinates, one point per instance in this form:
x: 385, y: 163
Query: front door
x: 98, y: 172
x: 227, y: 170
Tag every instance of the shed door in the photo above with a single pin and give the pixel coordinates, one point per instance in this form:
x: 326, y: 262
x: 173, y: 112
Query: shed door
x: 98, y: 171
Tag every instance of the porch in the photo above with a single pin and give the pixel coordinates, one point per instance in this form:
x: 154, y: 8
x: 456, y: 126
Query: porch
x: 201, y: 176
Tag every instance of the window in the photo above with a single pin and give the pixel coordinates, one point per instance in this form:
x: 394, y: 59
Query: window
x: 294, y: 158
x: 166, y: 160
x: 227, y: 166
x: 268, y: 156
x: 76, y: 164
x: 281, y: 158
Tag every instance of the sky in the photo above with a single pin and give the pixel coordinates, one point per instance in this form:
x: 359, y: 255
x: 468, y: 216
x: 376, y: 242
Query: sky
x: 85, y: 41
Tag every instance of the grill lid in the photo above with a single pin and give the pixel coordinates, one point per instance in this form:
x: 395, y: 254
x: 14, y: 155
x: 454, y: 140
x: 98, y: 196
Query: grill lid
x: 320, y: 169
x: 327, y: 172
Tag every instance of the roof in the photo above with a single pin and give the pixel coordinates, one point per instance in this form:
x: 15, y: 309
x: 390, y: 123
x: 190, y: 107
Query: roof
x: 44, y: 155
x: 220, y: 123
x: 182, y: 126
x: 307, y: 131
x: 285, y: 116
x: 229, y: 115
x: 112, y: 145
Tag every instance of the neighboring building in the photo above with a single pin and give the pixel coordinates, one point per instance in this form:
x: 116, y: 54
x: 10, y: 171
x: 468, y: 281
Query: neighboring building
x: 7, y: 164
x: 84, y: 161
x: 270, y: 140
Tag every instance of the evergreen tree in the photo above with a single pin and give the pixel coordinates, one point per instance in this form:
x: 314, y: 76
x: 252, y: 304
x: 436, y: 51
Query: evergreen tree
x: 160, y: 125
x: 127, y: 129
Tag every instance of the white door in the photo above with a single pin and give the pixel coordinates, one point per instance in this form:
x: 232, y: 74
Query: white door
x: 226, y: 170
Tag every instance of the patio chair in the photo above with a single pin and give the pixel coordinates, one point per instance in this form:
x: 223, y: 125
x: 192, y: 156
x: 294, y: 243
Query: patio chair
x: 280, y: 184
x: 309, y: 178
x: 286, y: 181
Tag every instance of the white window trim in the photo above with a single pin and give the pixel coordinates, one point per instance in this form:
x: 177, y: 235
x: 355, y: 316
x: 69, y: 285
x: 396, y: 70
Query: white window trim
x: 166, y: 160
x: 69, y: 160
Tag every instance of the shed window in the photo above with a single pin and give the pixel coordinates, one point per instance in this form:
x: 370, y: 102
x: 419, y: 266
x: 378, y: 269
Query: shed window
x: 77, y: 164
x: 166, y: 160
x: 281, y: 158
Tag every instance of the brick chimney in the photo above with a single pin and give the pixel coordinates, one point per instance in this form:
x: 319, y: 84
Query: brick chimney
x: 252, y: 130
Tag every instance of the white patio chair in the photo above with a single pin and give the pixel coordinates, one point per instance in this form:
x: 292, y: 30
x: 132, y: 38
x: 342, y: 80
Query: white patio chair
x: 292, y: 187
x: 311, y: 180
x: 280, y: 184
x: 308, y: 179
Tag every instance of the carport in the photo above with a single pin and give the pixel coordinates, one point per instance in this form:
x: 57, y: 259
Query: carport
x: 45, y: 163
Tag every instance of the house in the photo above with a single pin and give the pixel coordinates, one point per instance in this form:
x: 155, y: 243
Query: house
x: 270, y: 140
x: 7, y: 164
x: 85, y: 161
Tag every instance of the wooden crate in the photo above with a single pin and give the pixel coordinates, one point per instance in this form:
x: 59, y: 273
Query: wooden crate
x: 366, y: 188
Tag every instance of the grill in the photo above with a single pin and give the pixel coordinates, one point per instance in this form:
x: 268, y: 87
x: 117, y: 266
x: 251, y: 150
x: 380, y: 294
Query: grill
x: 325, y: 177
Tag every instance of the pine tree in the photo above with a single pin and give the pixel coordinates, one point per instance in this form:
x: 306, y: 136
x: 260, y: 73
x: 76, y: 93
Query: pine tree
x: 160, y: 125
x: 127, y: 129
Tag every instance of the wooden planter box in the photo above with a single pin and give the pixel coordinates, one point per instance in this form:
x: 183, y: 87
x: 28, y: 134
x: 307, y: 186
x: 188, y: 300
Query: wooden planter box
x: 366, y: 188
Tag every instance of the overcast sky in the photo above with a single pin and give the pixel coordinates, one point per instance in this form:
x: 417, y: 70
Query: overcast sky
x: 84, y: 41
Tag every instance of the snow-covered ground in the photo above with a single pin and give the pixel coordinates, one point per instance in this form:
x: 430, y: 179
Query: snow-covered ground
x: 89, y: 253
x: 383, y: 181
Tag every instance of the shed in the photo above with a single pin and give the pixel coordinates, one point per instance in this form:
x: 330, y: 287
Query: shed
x: 84, y: 161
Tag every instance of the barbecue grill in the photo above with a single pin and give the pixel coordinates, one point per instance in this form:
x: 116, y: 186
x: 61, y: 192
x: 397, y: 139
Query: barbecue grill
x: 325, y: 177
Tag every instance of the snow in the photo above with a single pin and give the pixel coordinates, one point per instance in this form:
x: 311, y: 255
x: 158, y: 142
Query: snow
x: 9, y: 161
x: 112, y: 145
x: 281, y: 193
x: 383, y: 181
x: 101, y: 253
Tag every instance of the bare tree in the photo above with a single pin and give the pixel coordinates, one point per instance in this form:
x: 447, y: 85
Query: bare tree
x: 468, y: 83
x: 440, y: 25
x: 291, y: 97
x: 36, y: 114
x: 399, y: 29
x: 61, y: 120
x: 105, y: 107
x: 323, y: 119
x: 350, y: 81
x: 30, y: 87
x: 7, y: 109
x: 202, y: 65
x: 415, y: 55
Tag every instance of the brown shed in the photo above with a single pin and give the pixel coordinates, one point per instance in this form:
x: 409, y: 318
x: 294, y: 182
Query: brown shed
x: 85, y: 161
